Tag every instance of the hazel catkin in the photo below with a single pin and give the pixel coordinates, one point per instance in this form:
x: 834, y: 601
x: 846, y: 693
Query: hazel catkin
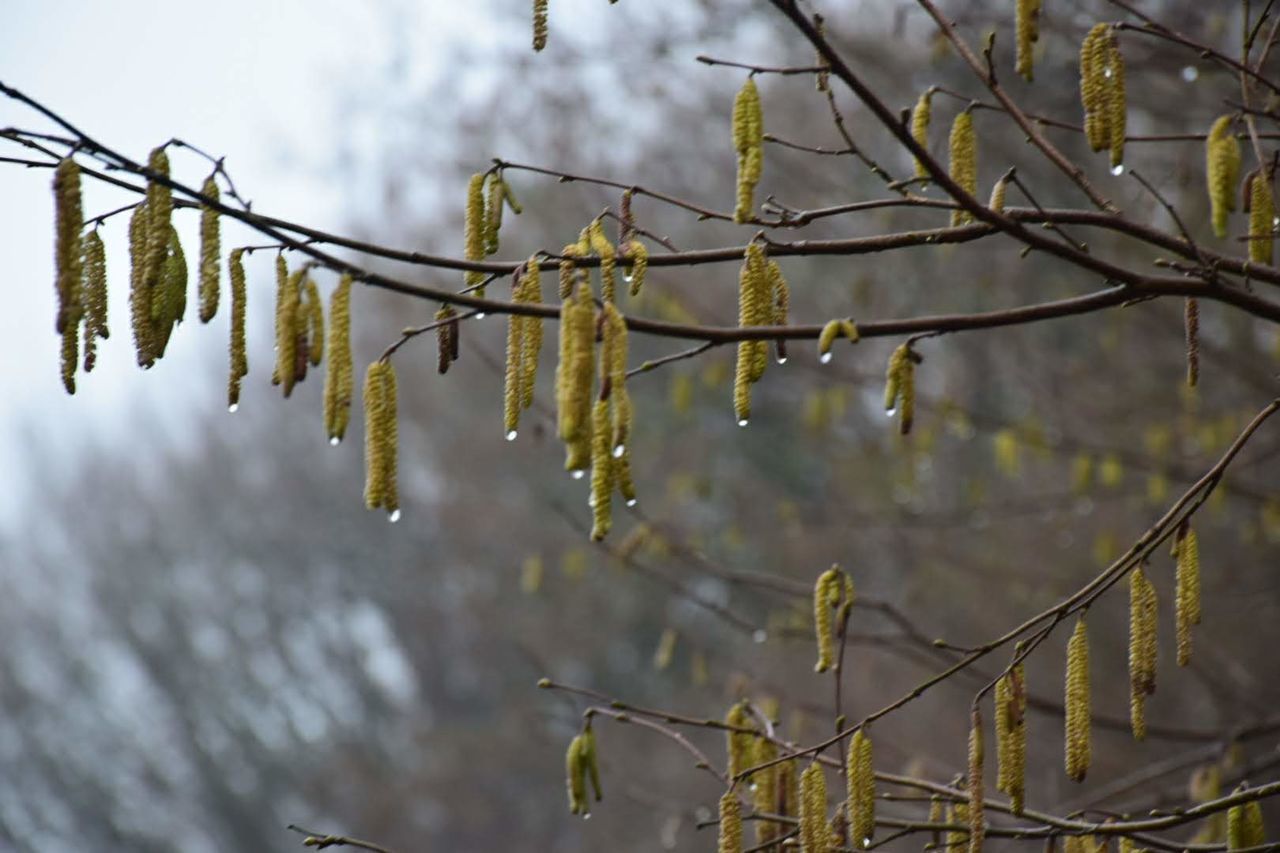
x: 1077, y: 723
x: 575, y: 772
x: 1142, y: 648
x: 474, y: 229
x: 68, y: 264
x: 1027, y: 27
x: 1011, y: 736
x: 977, y: 807
x: 94, y: 297
x: 748, y: 141
x: 140, y: 291
x: 602, y: 477
x: 1187, y: 589
x: 730, y: 823
x: 159, y: 207
x: 813, y: 809
x: 338, y: 376
x: 539, y: 24
x: 920, y: 116
x: 1262, y: 214
x: 381, y: 438
x: 900, y: 386
x: 963, y: 168
x: 210, y: 252
x: 238, y: 356
x: 738, y: 742
x: 860, y: 776
x: 639, y: 254
x: 1222, y: 170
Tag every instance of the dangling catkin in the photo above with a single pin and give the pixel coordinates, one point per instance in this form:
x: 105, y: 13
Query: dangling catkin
x: 1244, y: 824
x: 531, y: 292
x: 602, y: 480
x: 446, y: 338
x: 861, y: 779
x: 381, y: 437
x: 239, y: 358
x: 748, y: 140
x: 210, y: 253
x: 94, y: 297
x: 573, y: 377
x: 639, y: 254
x: 1191, y: 325
x: 313, y: 328
x: 1117, y: 101
x: 139, y: 291
x: 1262, y: 213
x: 1027, y: 25
x: 900, y: 386
x: 513, y: 376
x: 495, y: 196
x: 287, y: 301
x: 977, y: 806
x: 575, y: 773
x: 591, y: 760
x: 68, y: 263
x: 765, y: 795
x: 730, y: 823
x: 539, y: 24
x: 1011, y: 736
x: 997, y: 195
x: 1093, y: 86
x: 963, y: 148
x: 474, y: 229
x: 738, y: 743
x: 1078, y: 752
x: 826, y: 595
x: 920, y: 116
x: 338, y: 376
x: 159, y: 208
x: 1187, y: 589
x: 1222, y: 169
x: 957, y: 813
x: 813, y: 809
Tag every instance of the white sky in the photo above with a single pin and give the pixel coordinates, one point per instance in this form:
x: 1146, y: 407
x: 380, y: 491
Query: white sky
x: 254, y: 80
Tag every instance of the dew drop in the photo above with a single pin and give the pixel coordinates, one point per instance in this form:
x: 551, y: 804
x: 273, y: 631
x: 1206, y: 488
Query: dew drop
x: 394, y: 517
x: 577, y: 474
x: 1275, y: 222
x: 742, y: 422
x: 619, y: 451
x: 1190, y: 73
x: 825, y: 358
x: 631, y: 501
x: 335, y: 441
x: 587, y: 816
x: 759, y: 635
x: 627, y: 276
x: 233, y: 408
x: 782, y: 359
x: 511, y: 435
x: 591, y: 501
x: 1117, y: 169
x: 891, y: 412
x: 1106, y: 72
x: 480, y: 315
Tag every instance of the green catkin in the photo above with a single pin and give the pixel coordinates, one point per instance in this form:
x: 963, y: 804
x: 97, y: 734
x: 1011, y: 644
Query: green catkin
x: 900, y: 386
x: 575, y: 773
x: 287, y: 301
x: 315, y: 323
x: 591, y: 760
x: 780, y: 299
x: 730, y: 824
x: 601, y: 246
x: 446, y: 338
x: 239, y: 357
x: 754, y: 309
x: 210, y: 253
x: 1244, y: 824
x: 826, y: 595
x: 1027, y: 26
x: 813, y: 810
x: 1117, y: 101
x: 1262, y: 213
x: 1011, y: 736
x: 530, y: 291
x: 159, y: 207
x: 602, y: 479
x: 169, y: 303
x: 1094, y: 87
x: 738, y: 743
x: 513, y: 376
x: 997, y: 195
x: 977, y: 807
x: 381, y: 438
x: 861, y: 779
x: 1191, y: 327
x: 539, y: 24
x: 338, y: 375
x: 748, y: 140
x: 1222, y: 170
x: 140, y: 292
x: 1187, y: 590
x: 474, y: 231
x: 568, y: 271
x: 963, y: 168
x: 573, y: 377
x: 920, y: 127
x: 494, y: 199
x: 765, y: 795
x: 94, y: 297
x: 1142, y: 649
x: 68, y: 263
x: 957, y: 813
x: 1078, y: 751
x: 839, y: 328
x: 639, y: 254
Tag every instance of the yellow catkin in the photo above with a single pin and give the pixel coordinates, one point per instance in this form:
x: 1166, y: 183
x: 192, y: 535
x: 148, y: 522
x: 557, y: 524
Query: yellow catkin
x: 813, y: 809
x: 826, y: 595
x: 573, y: 377
x: 1222, y: 170
x: 446, y: 338
x: 730, y: 823
x: 474, y: 230
x: 314, y: 326
x: 602, y: 479
x: 860, y: 806
x: 288, y: 297
x: 539, y: 24
x: 639, y: 254
x: 575, y: 775
x: 1011, y: 736
x: 568, y: 271
x: 823, y: 78
x: 495, y: 197
x: 210, y: 253
x: 338, y: 377
x: 753, y: 310
x: 1187, y: 590
x: 748, y: 140
x: 963, y: 147
x: 900, y: 386
x: 765, y: 795
x: 530, y: 291
x: 997, y: 195
x: 169, y: 301
x: 1027, y: 27
x: 1094, y: 86
x: 977, y: 807
x: 381, y: 438
x: 238, y: 354
x: 68, y: 264
x: 957, y: 814
x: 513, y: 376
x: 935, y: 816
x: 1142, y: 649
x: 840, y: 328
x: 159, y: 206
x: 738, y: 743
x: 139, y: 290
x: 94, y: 297
x: 1262, y: 213
x: 1191, y: 327
x: 1117, y: 101
x: 1245, y: 826
x: 1078, y: 750
x: 920, y: 116
x: 591, y: 759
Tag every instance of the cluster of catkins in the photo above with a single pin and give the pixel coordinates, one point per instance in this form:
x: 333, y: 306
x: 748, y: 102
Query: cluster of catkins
x: 764, y: 299
x: 748, y: 141
x: 1102, y: 92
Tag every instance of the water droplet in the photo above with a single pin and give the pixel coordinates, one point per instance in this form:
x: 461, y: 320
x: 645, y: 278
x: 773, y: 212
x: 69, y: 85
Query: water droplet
x: 866, y: 842
x: 1190, y: 73
x: 1275, y: 222
x: 587, y: 816
x: 578, y: 474
x: 782, y: 359
x: 233, y: 408
x: 742, y: 422
x: 619, y: 451
x: 591, y: 501
x: 480, y: 315
x: 759, y: 635
x: 335, y: 441
x: 511, y: 435
x: 752, y: 786
x: 394, y: 517
x: 1117, y: 169
x: 891, y: 412
x: 1106, y: 72
x: 631, y: 501
x: 825, y: 358
x: 627, y: 276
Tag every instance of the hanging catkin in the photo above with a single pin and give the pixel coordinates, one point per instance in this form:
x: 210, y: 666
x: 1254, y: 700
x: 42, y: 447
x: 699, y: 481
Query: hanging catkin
x: 738, y: 743
x: 1262, y: 214
x: 1222, y: 170
x: 591, y: 760
x: 826, y: 595
x: 1027, y: 25
x: 920, y: 127
x: 1011, y: 736
x: 239, y: 357
x: 861, y: 779
x: 380, y: 438
x: 530, y: 292
x: 313, y: 328
x: 1244, y: 824
x: 1142, y: 648
x: 839, y: 328
x: 94, y: 297
x: 748, y: 141
x: 573, y: 378
x: 159, y: 206
x: 997, y: 195
x: 474, y: 229
x: 1078, y: 751
x: 1186, y: 552
x: 963, y: 147
x: 575, y: 773
x: 813, y: 809
x: 900, y: 386
x: 513, y: 376
x: 1191, y: 326
x: 68, y: 265
x: 139, y: 290
x: 539, y: 24
x: 639, y: 255
x: 210, y: 252
x: 754, y: 309
x: 1117, y: 102
x: 288, y: 297
x: 338, y: 376
x: 602, y: 479
x: 765, y: 795
x: 1093, y: 87
x: 730, y: 823
x: 977, y: 807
